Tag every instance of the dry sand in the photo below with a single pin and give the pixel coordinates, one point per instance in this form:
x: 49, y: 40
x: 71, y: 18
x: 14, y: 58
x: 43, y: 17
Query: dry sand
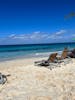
x: 29, y: 82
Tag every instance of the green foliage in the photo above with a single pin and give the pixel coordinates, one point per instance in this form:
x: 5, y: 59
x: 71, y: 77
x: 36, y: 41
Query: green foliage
x: 72, y: 14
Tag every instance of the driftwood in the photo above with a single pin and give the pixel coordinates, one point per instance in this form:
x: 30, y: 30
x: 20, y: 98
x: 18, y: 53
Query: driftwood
x: 71, y: 53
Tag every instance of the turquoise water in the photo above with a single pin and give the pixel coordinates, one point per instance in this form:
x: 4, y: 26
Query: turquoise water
x: 31, y: 50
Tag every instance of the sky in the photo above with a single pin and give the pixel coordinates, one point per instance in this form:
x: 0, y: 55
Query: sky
x: 36, y: 21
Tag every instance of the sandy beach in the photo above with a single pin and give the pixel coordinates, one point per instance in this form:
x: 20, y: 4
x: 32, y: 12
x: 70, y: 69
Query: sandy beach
x: 29, y: 82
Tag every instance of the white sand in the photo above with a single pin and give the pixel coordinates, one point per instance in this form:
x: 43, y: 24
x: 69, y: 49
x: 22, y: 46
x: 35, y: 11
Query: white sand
x: 29, y: 82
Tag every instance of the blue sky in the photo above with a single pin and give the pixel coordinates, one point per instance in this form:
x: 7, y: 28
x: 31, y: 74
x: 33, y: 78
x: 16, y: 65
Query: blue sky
x: 36, y: 21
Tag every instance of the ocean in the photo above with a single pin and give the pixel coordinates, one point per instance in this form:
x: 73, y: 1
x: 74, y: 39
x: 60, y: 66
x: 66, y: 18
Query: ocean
x: 8, y: 52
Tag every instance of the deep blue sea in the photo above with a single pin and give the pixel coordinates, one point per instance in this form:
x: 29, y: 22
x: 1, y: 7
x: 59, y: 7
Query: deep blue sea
x: 8, y: 52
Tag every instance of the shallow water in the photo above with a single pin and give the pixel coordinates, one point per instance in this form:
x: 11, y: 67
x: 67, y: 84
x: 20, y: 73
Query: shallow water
x: 31, y: 50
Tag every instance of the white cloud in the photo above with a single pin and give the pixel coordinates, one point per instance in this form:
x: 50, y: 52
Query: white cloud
x: 54, y: 37
x: 35, y: 37
x: 37, y: 32
x: 60, y: 32
x: 19, y: 37
x: 11, y: 36
x: 14, y: 36
x: 57, y: 35
x: 38, y: 35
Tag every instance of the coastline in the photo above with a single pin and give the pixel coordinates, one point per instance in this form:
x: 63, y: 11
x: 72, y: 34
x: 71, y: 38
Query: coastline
x: 30, y: 82
x: 11, y: 52
x: 24, y: 59
x: 31, y: 56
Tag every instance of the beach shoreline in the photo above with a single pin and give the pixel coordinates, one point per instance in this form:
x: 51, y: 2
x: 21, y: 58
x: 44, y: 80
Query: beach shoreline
x: 32, y: 56
x: 11, y: 52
